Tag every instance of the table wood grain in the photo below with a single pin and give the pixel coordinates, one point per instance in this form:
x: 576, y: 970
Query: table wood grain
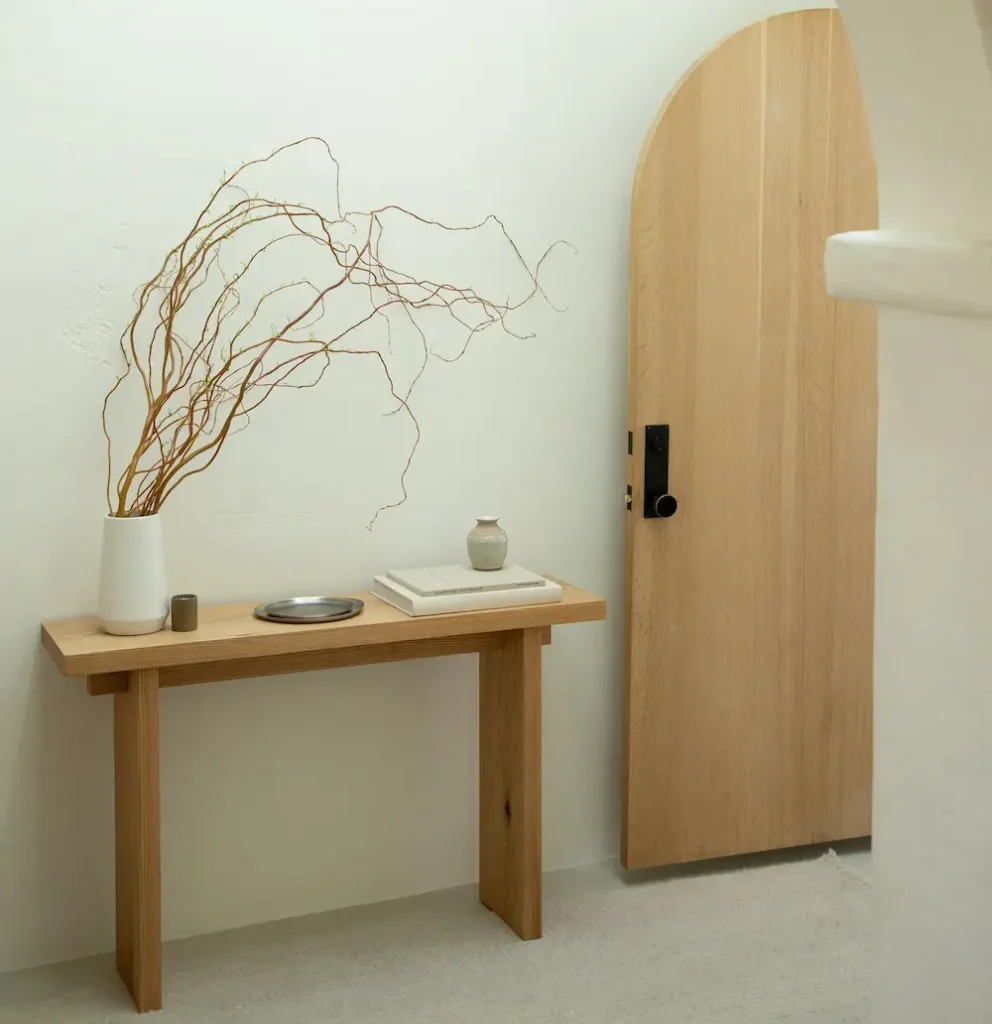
x: 231, y: 643
x: 232, y: 633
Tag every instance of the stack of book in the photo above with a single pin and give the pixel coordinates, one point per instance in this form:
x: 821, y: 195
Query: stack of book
x: 455, y: 588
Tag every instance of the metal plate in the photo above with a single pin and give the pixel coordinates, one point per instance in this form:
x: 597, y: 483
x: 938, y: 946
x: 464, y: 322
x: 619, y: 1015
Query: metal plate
x: 301, y: 611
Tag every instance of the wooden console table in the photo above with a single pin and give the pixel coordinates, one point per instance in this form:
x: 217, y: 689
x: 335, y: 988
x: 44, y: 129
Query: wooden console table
x: 231, y: 644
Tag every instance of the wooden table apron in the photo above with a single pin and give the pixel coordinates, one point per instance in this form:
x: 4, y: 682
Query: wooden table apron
x: 230, y: 644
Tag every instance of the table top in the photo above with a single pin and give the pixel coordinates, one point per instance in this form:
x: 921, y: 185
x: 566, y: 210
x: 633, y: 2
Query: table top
x: 226, y: 632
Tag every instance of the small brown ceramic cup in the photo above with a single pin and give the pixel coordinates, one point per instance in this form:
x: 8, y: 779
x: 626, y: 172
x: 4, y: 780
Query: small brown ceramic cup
x: 184, y: 613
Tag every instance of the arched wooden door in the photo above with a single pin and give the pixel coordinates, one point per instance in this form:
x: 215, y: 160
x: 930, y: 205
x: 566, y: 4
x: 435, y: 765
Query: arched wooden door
x: 749, y: 684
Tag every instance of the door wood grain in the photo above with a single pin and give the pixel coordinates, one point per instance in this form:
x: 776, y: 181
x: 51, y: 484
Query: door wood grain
x: 749, y: 613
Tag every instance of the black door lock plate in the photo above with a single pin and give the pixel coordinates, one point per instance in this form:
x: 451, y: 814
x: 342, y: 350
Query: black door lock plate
x: 658, y: 503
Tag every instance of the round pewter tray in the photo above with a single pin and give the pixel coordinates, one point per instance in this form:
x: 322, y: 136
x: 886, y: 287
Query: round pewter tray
x: 301, y: 611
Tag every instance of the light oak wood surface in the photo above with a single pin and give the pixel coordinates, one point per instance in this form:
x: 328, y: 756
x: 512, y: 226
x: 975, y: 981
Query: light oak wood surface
x: 309, y: 661
x: 138, y: 845
x: 232, y: 644
x: 749, y: 677
x: 230, y: 633
x: 510, y: 782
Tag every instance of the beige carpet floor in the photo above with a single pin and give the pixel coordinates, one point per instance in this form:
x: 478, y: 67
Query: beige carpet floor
x: 778, y: 944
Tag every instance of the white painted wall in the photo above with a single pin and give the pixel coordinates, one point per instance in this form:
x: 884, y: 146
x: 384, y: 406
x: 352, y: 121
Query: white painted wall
x: 300, y: 794
x: 929, y: 96
x: 932, y: 857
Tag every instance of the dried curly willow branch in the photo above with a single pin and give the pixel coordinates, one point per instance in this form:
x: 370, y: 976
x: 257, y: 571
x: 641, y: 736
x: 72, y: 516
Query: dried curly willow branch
x: 199, y: 389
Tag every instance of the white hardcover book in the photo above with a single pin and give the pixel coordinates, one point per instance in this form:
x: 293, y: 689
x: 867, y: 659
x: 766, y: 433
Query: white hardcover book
x: 460, y: 579
x: 416, y: 604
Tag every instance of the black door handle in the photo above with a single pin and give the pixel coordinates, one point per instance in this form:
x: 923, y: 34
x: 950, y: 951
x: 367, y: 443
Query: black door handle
x: 658, y: 503
x: 664, y: 507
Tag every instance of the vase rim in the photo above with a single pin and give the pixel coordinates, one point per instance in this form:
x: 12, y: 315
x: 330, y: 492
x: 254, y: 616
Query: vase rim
x: 124, y: 519
x: 487, y: 519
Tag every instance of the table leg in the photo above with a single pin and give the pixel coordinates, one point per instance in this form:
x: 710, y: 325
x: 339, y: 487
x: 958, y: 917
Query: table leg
x: 510, y: 781
x: 137, y: 847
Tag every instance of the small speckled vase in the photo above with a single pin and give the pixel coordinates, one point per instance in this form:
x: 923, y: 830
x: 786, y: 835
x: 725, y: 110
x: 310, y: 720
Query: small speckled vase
x: 487, y: 544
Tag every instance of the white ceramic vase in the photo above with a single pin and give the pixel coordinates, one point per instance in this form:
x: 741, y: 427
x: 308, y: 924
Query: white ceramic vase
x: 487, y: 544
x: 133, y: 597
